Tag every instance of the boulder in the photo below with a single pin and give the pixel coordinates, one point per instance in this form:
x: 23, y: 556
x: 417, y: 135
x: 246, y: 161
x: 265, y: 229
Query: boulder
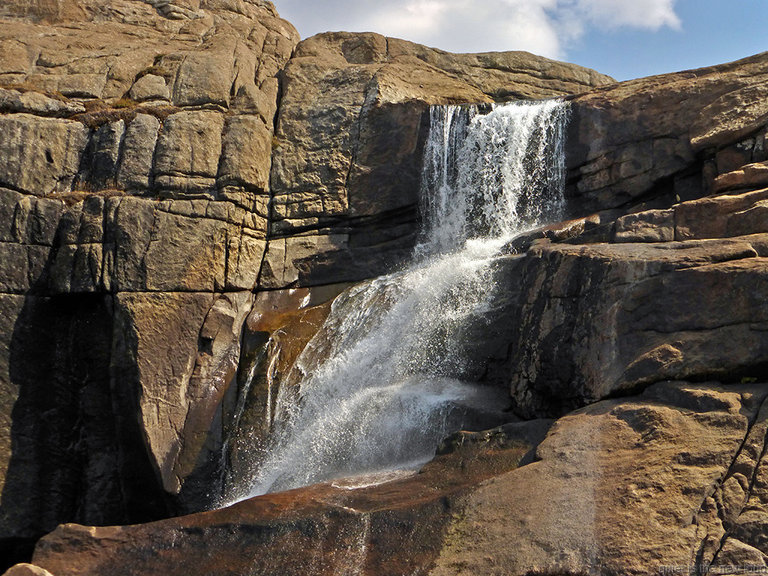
x: 753, y: 175
x: 627, y: 486
x: 26, y: 570
x: 595, y: 320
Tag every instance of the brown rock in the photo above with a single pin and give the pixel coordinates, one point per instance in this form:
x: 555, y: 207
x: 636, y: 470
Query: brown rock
x: 26, y: 570
x: 222, y: 55
x: 50, y: 164
x: 749, y: 176
x: 732, y: 116
x: 184, y: 245
x: 645, y: 138
x: 180, y: 396
x: 589, y: 321
x: 620, y: 487
x: 150, y: 87
x: 135, y: 170
x: 394, y: 528
x: 648, y: 226
x: 188, y: 150
x: 351, y: 130
x: 36, y: 103
x: 624, y: 486
x: 722, y: 216
x: 246, y: 154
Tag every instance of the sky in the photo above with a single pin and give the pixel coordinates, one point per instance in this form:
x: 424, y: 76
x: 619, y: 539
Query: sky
x: 622, y: 38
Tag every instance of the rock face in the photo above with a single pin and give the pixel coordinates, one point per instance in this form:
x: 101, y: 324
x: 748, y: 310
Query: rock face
x: 326, y: 529
x: 352, y: 120
x: 658, y: 138
x: 185, y: 189
x: 146, y: 204
x: 133, y: 230
x: 671, y: 294
x: 668, y: 478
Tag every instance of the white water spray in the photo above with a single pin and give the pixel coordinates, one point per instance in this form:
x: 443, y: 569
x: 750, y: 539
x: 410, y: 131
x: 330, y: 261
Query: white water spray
x: 386, y: 377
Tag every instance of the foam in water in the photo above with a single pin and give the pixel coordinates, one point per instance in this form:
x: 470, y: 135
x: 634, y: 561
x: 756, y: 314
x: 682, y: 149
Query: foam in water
x: 383, y: 381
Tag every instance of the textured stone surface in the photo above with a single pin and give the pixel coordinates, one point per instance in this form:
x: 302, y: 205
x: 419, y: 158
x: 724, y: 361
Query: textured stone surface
x: 48, y: 165
x: 134, y: 59
x: 591, y: 320
x: 350, y: 135
x: 622, y: 487
x: 150, y: 213
x: 317, y: 530
x: 180, y: 395
x: 660, y: 137
x: 121, y: 313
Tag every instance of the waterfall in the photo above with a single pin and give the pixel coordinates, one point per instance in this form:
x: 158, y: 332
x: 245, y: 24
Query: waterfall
x: 387, y: 376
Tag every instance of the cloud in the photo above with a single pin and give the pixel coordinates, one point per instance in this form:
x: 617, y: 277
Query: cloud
x: 647, y: 14
x: 545, y: 27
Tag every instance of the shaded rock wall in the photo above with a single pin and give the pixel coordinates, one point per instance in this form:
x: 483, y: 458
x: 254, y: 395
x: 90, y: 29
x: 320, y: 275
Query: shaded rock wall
x: 134, y: 183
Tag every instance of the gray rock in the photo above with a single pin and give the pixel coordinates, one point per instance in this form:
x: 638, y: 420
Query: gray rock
x: 150, y: 87
x: 48, y: 166
x: 135, y: 172
x: 188, y: 150
x: 100, y: 162
x: 246, y: 154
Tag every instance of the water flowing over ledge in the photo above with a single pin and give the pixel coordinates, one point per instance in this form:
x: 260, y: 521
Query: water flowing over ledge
x: 388, y: 375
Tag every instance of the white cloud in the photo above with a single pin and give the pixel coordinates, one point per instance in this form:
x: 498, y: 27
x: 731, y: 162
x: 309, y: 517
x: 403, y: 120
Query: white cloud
x: 545, y: 27
x: 648, y: 14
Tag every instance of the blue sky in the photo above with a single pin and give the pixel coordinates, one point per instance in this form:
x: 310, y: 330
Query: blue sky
x: 623, y: 38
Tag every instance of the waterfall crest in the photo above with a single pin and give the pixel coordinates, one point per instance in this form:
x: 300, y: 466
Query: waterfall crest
x: 387, y: 377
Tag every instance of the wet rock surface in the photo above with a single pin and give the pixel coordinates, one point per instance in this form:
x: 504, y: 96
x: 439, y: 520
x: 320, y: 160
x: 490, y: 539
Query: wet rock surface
x: 393, y: 528
x: 137, y: 226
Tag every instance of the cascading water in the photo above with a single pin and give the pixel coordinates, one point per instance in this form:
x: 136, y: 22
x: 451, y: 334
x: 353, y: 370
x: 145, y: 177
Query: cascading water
x: 387, y: 376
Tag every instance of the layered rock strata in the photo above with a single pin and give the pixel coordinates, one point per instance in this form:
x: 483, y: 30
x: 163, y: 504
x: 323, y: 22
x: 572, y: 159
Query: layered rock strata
x: 183, y: 192
x: 134, y: 185
x: 139, y: 227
